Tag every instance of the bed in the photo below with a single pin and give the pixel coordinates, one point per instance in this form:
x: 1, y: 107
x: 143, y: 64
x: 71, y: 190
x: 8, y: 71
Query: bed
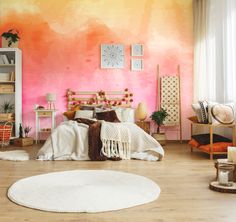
x: 99, y: 126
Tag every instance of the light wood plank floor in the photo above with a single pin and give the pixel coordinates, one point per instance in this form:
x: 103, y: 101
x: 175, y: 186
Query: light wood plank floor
x: 182, y: 176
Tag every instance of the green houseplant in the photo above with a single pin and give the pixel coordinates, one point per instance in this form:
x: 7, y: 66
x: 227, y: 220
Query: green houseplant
x: 159, y: 117
x: 7, y: 109
x: 10, y: 38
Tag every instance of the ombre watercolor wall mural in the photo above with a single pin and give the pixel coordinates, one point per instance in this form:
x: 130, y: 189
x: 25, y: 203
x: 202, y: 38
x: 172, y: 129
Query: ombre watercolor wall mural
x: 60, y: 42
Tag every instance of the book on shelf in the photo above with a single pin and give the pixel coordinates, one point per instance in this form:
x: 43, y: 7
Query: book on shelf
x: 4, y: 60
x: 12, y: 76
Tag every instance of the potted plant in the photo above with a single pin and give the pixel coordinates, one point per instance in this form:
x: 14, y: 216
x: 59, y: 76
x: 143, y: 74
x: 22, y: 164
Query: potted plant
x: 159, y: 117
x: 10, y: 39
x: 27, y: 129
x: 7, y: 111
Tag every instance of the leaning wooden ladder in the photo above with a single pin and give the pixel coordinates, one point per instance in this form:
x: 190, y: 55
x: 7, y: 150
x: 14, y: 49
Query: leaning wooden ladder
x: 168, y: 92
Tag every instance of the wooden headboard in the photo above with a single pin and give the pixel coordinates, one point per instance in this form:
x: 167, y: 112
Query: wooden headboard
x: 104, y: 98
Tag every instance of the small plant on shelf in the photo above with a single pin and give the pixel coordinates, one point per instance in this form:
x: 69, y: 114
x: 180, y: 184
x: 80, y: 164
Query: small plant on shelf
x: 7, y: 107
x: 159, y: 117
x: 27, y: 129
x: 12, y: 36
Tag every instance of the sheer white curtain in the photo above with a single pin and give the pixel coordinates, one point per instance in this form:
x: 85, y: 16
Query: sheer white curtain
x: 215, y: 50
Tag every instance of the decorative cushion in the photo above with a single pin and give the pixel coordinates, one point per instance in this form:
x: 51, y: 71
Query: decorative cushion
x: 217, y: 147
x: 90, y: 107
x: 203, y: 111
x: 70, y: 115
x: 222, y: 114
x: 109, y: 116
x: 196, y: 108
x: 85, y: 121
x: 193, y: 119
x: 74, y: 108
x: 86, y: 114
x: 125, y: 114
x: 204, y: 139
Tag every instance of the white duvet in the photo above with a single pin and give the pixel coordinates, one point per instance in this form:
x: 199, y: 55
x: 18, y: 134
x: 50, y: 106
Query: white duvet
x: 69, y: 141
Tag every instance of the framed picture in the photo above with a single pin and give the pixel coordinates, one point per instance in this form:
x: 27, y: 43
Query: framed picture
x: 136, y: 64
x: 112, y: 56
x: 136, y: 50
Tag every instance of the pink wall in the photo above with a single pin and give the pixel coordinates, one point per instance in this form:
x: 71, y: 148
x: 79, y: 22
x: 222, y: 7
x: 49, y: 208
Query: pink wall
x: 61, y: 41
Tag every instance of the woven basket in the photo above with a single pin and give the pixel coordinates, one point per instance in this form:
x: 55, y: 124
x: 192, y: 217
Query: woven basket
x: 5, y: 133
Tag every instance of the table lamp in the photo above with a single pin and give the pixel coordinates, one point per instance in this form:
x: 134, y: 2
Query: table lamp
x: 51, y: 98
x: 141, y: 111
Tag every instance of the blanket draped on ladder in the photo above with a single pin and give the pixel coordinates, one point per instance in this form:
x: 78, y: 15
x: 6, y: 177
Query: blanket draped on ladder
x: 116, y: 140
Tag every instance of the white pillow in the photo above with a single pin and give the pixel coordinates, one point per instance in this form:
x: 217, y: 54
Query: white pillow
x: 86, y: 114
x: 125, y: 114
x: 197, y: 109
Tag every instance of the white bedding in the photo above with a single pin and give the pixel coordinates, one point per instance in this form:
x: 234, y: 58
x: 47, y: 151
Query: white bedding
x: 69, y: 141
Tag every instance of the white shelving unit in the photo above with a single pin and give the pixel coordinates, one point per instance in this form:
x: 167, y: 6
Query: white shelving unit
x: 14, y: 56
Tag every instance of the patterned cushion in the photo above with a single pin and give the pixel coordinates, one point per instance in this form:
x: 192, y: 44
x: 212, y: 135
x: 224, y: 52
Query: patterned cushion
x: 203, y: 111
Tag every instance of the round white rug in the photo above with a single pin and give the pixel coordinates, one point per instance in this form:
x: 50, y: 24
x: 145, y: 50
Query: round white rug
x: 83, y: 191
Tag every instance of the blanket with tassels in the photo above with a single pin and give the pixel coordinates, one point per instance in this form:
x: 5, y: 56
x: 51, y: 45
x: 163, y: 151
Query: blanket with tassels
x: 116, y: 140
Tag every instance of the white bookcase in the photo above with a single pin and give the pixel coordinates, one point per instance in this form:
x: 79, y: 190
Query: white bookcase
x: 13, y: 67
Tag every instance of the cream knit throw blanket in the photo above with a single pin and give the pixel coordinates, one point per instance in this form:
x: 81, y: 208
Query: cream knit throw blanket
x: 116, y: 140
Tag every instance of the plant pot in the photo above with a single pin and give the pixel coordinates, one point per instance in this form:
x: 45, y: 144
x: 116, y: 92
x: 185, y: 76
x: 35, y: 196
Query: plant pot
x: 160, y: 137
x: 5, y: 43
x: 6, y: 116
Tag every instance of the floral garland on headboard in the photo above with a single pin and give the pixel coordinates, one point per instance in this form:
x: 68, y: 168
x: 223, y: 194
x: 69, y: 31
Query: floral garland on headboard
x: 104, y: 98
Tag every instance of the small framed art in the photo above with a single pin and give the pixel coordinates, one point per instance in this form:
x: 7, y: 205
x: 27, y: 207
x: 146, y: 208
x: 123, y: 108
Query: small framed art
x: 136, y: 64
x: 136, y: 50
x: 112, y: 56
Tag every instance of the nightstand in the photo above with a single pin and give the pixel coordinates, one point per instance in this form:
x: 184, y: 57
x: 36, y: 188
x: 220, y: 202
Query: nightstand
x: 44, y: 113
x: 145, y: 125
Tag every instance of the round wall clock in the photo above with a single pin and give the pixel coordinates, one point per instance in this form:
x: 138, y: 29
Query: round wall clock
x: 112, y: 56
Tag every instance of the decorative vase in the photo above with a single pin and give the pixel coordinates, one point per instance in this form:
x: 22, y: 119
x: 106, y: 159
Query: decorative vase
x: 141, y: 111
x: 160, y: 137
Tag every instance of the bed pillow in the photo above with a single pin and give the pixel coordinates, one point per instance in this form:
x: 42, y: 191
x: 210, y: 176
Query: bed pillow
x: 85, y: 114
x: 109, y: 116
x: 90, y: 107
x: 70, y: 115
x: 204, y: 139
x: 86, y: 121
x: 222, y: 114
x: 125, y: 114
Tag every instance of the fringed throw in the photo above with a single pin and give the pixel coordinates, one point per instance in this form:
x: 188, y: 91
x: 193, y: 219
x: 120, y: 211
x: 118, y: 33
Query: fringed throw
x: 116, y: 140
